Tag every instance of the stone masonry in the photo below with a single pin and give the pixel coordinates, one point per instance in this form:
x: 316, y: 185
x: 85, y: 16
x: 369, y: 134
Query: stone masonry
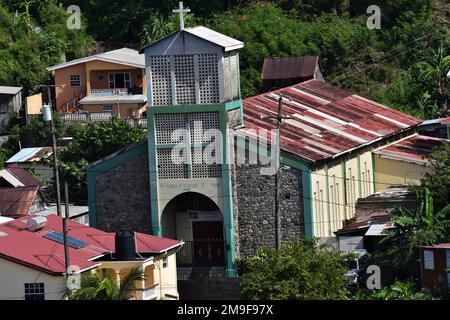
x: 254, y: 200
x: 123, y: 197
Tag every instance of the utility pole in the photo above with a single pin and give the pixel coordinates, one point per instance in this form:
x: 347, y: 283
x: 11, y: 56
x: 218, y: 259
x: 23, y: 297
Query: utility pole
x: 47, y: 114
x: 279, y: 119
x: 65, y: 236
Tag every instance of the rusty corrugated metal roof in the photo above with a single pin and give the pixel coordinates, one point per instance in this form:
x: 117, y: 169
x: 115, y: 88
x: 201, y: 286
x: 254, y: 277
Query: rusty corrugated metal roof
x: 17, y: 201
x: 289, y: 67
x: 23, y: 175
x: 326, y: 120
x: 415, y: 149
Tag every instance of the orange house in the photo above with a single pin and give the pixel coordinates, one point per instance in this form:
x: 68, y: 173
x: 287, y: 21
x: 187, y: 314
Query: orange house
x: 110, y: 82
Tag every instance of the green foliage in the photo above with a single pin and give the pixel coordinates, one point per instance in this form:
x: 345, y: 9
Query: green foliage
x: 34, y: 40
x: 399, y: 253
x: 337, y: 40
x: 91, y: 143
x: 397, y: 291
x: 437, y: 180
x: 300, y: 270
x: 101, y: 287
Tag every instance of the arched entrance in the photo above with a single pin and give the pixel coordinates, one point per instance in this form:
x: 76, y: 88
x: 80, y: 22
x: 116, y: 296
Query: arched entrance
x: 198, y: 221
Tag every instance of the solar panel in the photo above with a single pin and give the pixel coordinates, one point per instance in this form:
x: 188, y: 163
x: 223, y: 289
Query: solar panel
x: 71, y: 242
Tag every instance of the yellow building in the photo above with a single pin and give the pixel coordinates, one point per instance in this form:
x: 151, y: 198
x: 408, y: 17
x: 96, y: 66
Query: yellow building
x: 404, y: 161
x: 33, y: 265
x: 110, y: 82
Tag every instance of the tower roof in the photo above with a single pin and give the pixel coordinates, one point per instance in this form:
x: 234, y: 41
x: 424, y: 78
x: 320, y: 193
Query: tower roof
x: 219, y: 39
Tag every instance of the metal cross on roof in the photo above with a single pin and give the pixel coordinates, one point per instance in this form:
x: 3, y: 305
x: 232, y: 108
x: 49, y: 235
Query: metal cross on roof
x: 181, y: 11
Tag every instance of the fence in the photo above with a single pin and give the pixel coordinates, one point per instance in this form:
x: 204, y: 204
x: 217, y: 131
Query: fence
x: 201, y: 259
x: 88, y: 117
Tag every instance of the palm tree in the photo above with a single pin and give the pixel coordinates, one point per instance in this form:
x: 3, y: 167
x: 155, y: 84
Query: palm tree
x: 101, y: 287
x: 423, y: 226
x: 434, y: 71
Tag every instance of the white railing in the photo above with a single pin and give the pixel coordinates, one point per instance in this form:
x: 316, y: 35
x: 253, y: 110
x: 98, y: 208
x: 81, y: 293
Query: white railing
x: 150, y: 293
x: 109, y: 92
x: 84, y: 117
x: 142, y: 122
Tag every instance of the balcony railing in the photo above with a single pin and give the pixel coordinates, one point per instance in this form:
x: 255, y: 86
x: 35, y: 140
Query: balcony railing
x: 149, y: 293
x: 109, y: 92
x: 137, y: 123
x: 86, y: 117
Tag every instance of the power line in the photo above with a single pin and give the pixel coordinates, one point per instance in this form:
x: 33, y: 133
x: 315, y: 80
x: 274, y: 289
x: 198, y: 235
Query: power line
x: 233, y: 169
x: 382, y: 59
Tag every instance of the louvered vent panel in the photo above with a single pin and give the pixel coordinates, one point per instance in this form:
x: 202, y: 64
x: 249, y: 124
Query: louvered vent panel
x: 161, y: 83
x: 166, y: 124
x: 185, y: 79
x: 208, y: 78
x: 202, y: 121
x: 167, y: 169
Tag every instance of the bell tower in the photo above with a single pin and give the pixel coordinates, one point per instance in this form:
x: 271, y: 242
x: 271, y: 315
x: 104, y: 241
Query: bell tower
x: 193, y: 96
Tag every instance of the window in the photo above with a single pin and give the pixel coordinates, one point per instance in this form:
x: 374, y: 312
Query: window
x: 107, y: 108
x: 165, y: 262
x: 34, y: 291
x: 119, y: 80
x: 428, y: 259
x: 75, y: 80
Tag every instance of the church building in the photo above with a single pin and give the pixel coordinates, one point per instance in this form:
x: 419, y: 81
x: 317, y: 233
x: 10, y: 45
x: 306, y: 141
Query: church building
x: 222, y: 209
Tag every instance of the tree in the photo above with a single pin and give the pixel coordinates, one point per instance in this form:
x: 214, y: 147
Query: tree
x: 437, y: 180
x: 433, y: 73
x: 300, y: 270
x: 91, y: 143
x: 100, y: 287
x: 399, y: 254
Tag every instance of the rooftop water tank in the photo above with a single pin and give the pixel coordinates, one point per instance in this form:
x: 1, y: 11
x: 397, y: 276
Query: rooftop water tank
x: 36, y: 223
x: 125, y: 245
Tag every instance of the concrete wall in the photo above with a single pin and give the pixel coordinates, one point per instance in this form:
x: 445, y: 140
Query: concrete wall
x: 123, y: 197
x: 390, y: 172
x: 123, y: 110
x: 13, y: 277
x: 336, y: 187
x: 62, y: 77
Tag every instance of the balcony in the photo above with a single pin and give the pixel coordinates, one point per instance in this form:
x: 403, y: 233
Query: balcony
x: 88, y: 117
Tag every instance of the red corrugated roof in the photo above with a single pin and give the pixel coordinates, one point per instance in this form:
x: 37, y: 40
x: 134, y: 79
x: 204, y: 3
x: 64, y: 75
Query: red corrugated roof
x: 17, y: 201
x: 415, y: 148
x: 32, y: 249
x: 289, y: 67
x: 326, y: 120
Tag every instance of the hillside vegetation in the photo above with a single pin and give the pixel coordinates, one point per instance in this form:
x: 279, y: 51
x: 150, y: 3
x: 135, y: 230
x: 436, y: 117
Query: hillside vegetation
x: 403, y: 64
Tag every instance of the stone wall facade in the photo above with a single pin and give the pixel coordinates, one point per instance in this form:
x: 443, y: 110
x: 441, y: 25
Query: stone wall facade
x: 254, y: 202
x: 123, y: 197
